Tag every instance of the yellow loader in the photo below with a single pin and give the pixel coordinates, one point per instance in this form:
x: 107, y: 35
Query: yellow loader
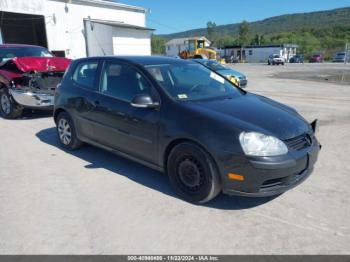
x: 197, y: 49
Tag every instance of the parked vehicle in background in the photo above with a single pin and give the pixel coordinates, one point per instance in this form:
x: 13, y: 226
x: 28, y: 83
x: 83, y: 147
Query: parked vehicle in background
x: 316, y: 58
x: 232, y: 59
x: 196, y: 49
x: 297, y: 59
x: 28, y: 78
x: 341, y: 57
x: 234, y: 76
x: 179, y: 117
x: 276, y: 60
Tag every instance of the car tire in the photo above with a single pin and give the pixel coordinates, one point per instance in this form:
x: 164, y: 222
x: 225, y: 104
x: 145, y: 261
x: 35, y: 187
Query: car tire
x: 193, y: 173
x: 268, y: 63
x: 8, y: 107
x: 66, y: 132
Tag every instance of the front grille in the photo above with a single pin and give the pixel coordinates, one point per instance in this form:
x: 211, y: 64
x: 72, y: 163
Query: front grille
x: 272, y: 183
x: 299, y: 142
x: 283, y: 181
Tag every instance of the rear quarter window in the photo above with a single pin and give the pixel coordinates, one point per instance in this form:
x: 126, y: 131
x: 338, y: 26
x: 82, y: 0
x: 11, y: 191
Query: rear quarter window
x: 85, y: 74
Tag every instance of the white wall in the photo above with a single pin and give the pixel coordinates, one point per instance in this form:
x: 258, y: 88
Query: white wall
x: 131, y: 41
x: 260, y: 55
x: 175, y: 49
x: 112, y: 40
x: 99, y: 39
x: 67, y: 33
x: 65, y: 22
x: 35, y: 7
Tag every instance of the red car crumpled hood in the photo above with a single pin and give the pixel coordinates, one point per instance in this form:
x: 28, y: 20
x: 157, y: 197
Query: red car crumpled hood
x: 41, y: 64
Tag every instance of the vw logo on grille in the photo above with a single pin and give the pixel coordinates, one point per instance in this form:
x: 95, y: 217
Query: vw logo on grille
x: 308, y: 140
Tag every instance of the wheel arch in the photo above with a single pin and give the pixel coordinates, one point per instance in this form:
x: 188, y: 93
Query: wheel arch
x: 57, y: 112
x: 179, y: 141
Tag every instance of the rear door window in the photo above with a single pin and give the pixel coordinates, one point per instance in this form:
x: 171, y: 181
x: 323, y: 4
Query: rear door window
x: 123, y: 82
x: 85, y: 74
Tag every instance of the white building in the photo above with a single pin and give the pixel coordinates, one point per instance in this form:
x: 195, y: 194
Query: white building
x: 175, y: 46
x: 76, y: 28
x: 260, y: 54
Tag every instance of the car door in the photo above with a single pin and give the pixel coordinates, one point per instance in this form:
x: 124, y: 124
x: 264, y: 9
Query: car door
x: 118, y: 124
x: 84, y: 88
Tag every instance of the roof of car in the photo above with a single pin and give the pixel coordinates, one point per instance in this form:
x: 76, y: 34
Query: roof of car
x: 154, y: 60
x: 204, y: 60
x: 17, y: 45
x: 147, y: 60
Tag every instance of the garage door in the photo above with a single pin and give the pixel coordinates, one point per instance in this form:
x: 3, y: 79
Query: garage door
x: 131, y: 42
x: 113, y: 38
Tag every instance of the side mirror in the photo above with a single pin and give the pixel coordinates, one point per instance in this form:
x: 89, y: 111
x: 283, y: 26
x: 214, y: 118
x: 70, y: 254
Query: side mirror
x: 144, y: 101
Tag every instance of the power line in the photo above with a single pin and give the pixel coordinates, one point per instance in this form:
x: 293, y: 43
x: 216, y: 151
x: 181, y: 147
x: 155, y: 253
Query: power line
x: 164, y: 25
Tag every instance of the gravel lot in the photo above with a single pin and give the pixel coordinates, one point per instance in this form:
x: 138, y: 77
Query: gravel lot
x: 90, y: 201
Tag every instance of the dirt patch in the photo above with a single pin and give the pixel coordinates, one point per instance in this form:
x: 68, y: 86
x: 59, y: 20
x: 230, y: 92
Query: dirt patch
x: 341, y: 77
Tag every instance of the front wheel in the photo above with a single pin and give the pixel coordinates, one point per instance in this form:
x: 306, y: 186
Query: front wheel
x: 193, y: 173
x: 8, y: 107
x: 66, y: 132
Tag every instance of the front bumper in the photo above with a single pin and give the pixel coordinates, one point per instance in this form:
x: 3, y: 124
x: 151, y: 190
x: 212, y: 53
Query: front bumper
x: 32, y: 100
x: 340, y: 60
x: 268, y: 176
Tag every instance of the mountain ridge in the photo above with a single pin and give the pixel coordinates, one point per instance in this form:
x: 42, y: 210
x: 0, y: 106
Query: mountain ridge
x: 272, y: 25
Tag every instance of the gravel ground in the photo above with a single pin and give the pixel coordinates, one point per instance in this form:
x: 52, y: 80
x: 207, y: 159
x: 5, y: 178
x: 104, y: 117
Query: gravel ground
x: 93, y: 202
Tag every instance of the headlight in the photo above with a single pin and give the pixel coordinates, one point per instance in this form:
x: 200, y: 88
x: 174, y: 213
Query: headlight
x: 256, y: 144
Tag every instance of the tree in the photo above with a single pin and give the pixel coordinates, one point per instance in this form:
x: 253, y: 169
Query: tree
x: 158, y: 45
x: 257, y: 40
x: 211, y: 31
x: 223, y: 41
x: 244, y: 33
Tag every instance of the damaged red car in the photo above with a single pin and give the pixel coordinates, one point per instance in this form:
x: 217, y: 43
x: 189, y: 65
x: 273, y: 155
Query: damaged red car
x: 29, y: 76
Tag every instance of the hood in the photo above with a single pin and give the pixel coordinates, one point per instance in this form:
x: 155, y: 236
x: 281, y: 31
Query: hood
x: 230, y: 72
x: 40, y: 64
x: 257, y: 113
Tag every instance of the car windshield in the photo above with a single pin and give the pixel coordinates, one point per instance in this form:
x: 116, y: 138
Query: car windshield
x: 213, y: 65
x: 191, y: 82
x: 276, y: 56
x: 11, y: 52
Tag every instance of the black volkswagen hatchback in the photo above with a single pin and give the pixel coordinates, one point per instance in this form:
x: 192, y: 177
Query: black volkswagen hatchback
x: 179, y: 117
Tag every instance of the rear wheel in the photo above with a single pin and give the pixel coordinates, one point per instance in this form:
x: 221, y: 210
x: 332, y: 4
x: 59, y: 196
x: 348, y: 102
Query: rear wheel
x: 193, y: 173
x: 66, y: 132
x: 8, y: 107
